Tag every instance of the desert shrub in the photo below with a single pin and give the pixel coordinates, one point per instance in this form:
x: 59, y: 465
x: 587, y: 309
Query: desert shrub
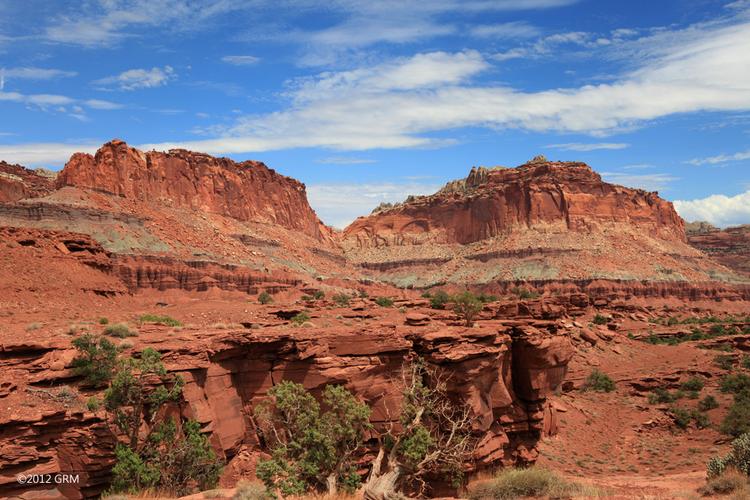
x: 700, y: 418
x: 693, y: 384
x: 384, y: 301
x: 708, y: 403
x: 673, y: 320
x: 467, y: 306
x: 103, y: 321
x: 486, y: 298
x: 525, y: 294
x: 310, y: 448
x: 599, y: 381
x: 93, y: 403
x: 661, y: 395
x: 319, y: 294
x: 738, y: 458
x: 600, y: 319
x: 265, y: 298
x: 439, y: 299
x: 119, y: 330
x: 363, y: 294
x: 300, y: 318
x: 247, y: 490
x: 159, y: 320
x: 33, y: 326
x: 724, y: 361
x: 96, y: 359
x: 426, y: 295
x: 531, y: 482
x: 729, y: 481
x: 681, y: 417
x: 307, y: 298
x: 746, y: 362
x: 735, y: 383
x: 737, y: 419
x: 341, y: 299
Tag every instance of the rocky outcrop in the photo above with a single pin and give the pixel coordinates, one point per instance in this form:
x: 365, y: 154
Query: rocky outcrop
x: 502, y: 373
x: 247, y: 191
x: 17, y: 182
x: 500, y: 201
x: 730, y: 246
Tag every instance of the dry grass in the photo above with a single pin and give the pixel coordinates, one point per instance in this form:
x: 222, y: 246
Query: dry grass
x: 531, y: 482
x: 731, y: 481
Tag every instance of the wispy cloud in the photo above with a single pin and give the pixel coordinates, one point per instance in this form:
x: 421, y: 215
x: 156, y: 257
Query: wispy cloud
x: 398, y: 103
x: 719, y: 159
x: 339, y: 204
x: 107, y: 23
x: 593, y: 146
x: 241, y: 60
x: 649, y: 182
x: 516, y: 29
x: 37, y: 154
x: 134, y: 79
x: 344, y: 160
x: 32, y: 73
x: 718, y: 209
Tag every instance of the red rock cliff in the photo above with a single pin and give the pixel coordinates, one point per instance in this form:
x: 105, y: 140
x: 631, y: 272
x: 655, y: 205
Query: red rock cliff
x: 491, y: 202
x: 248, y: 191
x: 17, y: 182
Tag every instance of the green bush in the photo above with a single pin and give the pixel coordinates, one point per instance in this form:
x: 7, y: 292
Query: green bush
x: 467, y: 306
x: 746, y: 362
x: 341, y: 299
x: 300, y: 318
x: 600, y: 319
x: 737, y: 419
x: 319, y: 294
x: 681, y: 417
x: 103, y: 321
x: 308, y: 446
x: 534, y: 482
x: 426, y: 295
x: 708, y: 403
x: 159, y: 320
x: 120, y: 330
x: 93, y: 403
x: 486, y: 298
x: 661, y: 395
x: 724, y: 361
x: 738, y: 458
x: 735, y: 383
x: 265, y: 298
x: 599, y: 382
x: 693, y: 384
x: 700, y: 418
x: 96, y: 359
x: 384, y: 301
x: 307, y: 298
x: 363, y: 294
x: 439, y: 299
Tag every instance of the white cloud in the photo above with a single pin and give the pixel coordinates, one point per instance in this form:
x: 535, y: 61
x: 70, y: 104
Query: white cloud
x: 718, y: 209
x: 51, y: 101
x: 109, y: 22
x: 578, y: 146
x: 133, y: 79
x: 339, y: 204
x: 649, y: 182
x: 241, y: 60
x: 101, y: 104
x: 31, y: 73
x: 398, y: 103
x: 718, y: 159
x: 516, y: 29
x: 37, y: 154
x: 344, y: 160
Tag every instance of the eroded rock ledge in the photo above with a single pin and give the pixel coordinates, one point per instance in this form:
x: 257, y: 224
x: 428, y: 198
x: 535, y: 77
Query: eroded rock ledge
x: 504, y: 372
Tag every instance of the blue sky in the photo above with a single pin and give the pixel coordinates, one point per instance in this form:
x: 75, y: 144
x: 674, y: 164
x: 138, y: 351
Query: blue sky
x: 369, y: 101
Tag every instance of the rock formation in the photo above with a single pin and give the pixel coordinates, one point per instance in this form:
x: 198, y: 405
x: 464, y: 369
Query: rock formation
x: 542, y: 221
x: 247, y: 191
x: 730, y: 246
x: 499, y: 201
x: 17, y: 182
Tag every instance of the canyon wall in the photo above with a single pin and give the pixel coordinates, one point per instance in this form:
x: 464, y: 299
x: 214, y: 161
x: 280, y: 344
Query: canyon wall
x: 499, y: 201
x: 247, y: 191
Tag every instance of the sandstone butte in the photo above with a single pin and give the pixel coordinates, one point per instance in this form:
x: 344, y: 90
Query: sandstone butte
x: 125, y: 232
